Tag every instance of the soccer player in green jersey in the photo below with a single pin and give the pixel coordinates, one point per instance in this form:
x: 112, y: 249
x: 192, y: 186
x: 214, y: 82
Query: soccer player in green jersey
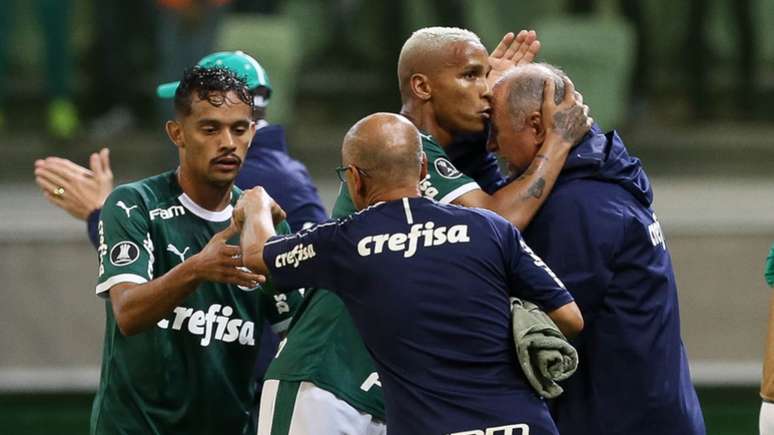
x: 323, y: 380
x: 182, y: 319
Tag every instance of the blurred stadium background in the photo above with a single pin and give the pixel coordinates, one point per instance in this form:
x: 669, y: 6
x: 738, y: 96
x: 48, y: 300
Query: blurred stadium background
x: 688, y: 84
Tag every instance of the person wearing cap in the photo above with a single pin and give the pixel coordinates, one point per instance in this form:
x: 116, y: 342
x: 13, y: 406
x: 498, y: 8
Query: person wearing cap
x: 81, y: 192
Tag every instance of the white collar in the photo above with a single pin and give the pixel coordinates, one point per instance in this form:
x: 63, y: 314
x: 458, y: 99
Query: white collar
x: 212, y: 216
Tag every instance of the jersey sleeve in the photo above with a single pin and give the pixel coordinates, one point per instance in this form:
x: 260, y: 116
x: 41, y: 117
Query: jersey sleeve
x: 279, y: 308
x: 125, y: 248
x: 529, y: 276
x: 305, y: 259
x: 444, y: 182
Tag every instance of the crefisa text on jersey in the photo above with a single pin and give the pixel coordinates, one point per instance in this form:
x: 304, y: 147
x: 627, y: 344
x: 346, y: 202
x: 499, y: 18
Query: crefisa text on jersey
x: 295, y: 256
x: 432, y: 236
x: 210, y: 325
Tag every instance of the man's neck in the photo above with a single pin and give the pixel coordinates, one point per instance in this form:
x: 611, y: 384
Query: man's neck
x: 423, y: 117
x: 392, y: 194
x: 208, y: 196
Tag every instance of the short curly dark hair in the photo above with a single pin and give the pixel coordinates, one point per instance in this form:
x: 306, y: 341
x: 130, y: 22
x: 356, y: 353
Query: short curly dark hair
x: 211, y: 84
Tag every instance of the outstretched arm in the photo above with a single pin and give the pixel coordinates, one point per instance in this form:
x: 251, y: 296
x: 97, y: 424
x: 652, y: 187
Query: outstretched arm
x: 520, y: 200
x: 256, y: 214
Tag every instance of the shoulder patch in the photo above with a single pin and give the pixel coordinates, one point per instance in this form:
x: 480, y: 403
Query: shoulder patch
x: 446, y: 169
x: 124, y: 253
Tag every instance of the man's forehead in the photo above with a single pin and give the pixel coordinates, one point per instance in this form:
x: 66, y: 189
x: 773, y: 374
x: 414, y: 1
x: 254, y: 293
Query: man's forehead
x: 218, y: 102
x: 464, y: 53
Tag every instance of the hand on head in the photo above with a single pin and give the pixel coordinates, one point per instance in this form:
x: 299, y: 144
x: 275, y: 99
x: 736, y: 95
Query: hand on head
x: 73, y: 188
x: 569, y: 119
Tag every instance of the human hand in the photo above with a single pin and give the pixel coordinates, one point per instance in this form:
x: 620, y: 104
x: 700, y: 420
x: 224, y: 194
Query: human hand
x: 254, y: 201
x: 220, y: 262
x: 569, y: 119
x: 511, y: 51
x: 73, y: 188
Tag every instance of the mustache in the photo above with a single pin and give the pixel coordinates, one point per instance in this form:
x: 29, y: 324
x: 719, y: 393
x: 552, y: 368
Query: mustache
x: 227, y: 156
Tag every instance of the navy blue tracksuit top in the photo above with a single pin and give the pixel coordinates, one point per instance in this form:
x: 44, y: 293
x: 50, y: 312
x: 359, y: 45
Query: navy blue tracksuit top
x: 598, y: 232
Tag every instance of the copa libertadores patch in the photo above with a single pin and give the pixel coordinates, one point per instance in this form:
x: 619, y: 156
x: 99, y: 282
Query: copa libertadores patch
x: 124, y: 253
x: 445, y: 169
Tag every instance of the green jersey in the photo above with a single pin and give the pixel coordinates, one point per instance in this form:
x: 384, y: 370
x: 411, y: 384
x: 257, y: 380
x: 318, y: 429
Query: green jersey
x: 323, y: 346
x: 192, y: 372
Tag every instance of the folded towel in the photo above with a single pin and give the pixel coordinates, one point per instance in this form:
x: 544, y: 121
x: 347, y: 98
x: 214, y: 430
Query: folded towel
x: 544, y: 354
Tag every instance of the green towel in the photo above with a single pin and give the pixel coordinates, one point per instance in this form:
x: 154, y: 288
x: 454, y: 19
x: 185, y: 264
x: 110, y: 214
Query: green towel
x: 544, y: 354
x: 769, y: 272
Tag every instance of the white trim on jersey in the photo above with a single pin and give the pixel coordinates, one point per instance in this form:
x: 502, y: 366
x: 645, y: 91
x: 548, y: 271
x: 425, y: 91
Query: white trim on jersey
x: 407, y: 208
x: 281, y: 326
x: 456, y: 193
x: 196, y: 209
x: 119, y: 279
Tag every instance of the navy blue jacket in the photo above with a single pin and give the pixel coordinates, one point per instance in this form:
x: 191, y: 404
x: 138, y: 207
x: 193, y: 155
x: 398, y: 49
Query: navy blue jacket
x: 598, y: 233
x: 287, y: 181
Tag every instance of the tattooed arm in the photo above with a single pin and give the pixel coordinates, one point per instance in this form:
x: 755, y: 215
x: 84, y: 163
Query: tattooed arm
x: 566, y: 123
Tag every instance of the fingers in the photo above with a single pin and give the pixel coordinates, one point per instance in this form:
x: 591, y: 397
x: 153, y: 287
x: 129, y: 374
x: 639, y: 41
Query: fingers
x: 578, y: 97
x: 549, y: 91
x: 244, y: 277
x: 104, y: 157
x: 231, y: 231
x: 518, y: 42
x: 569, y: 91
x: 50, y: 180
x: 502, y: 47
x: 95, y: 163
x: 530, y: 54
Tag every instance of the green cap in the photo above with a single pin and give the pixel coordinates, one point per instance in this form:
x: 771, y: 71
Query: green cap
x: 243, y: 65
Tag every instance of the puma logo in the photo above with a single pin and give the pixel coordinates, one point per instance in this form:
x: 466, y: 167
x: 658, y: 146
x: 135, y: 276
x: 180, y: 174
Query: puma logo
x: 173, y: 249
x: 127, y: 209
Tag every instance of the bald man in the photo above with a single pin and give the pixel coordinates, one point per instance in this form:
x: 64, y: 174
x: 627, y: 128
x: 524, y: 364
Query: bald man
x: 323, y: 371
x: 633, y: 375
x: 441, y: 341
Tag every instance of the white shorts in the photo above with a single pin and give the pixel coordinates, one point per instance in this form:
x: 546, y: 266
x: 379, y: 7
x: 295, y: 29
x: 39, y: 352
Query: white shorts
x: 302, y: 408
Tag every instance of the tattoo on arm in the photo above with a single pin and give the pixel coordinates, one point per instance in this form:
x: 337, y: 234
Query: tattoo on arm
x: 536, y: 190
x: 538, y: 186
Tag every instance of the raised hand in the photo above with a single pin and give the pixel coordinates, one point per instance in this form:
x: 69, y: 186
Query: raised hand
x: 569, y: 119
x: 512, y: 50
x: 75, y: 189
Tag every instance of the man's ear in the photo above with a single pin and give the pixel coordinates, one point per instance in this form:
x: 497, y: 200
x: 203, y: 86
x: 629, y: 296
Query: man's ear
x: 175, y: 133
x: 535, y: 124
x: 420, y: 86
x: 423, y: 167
